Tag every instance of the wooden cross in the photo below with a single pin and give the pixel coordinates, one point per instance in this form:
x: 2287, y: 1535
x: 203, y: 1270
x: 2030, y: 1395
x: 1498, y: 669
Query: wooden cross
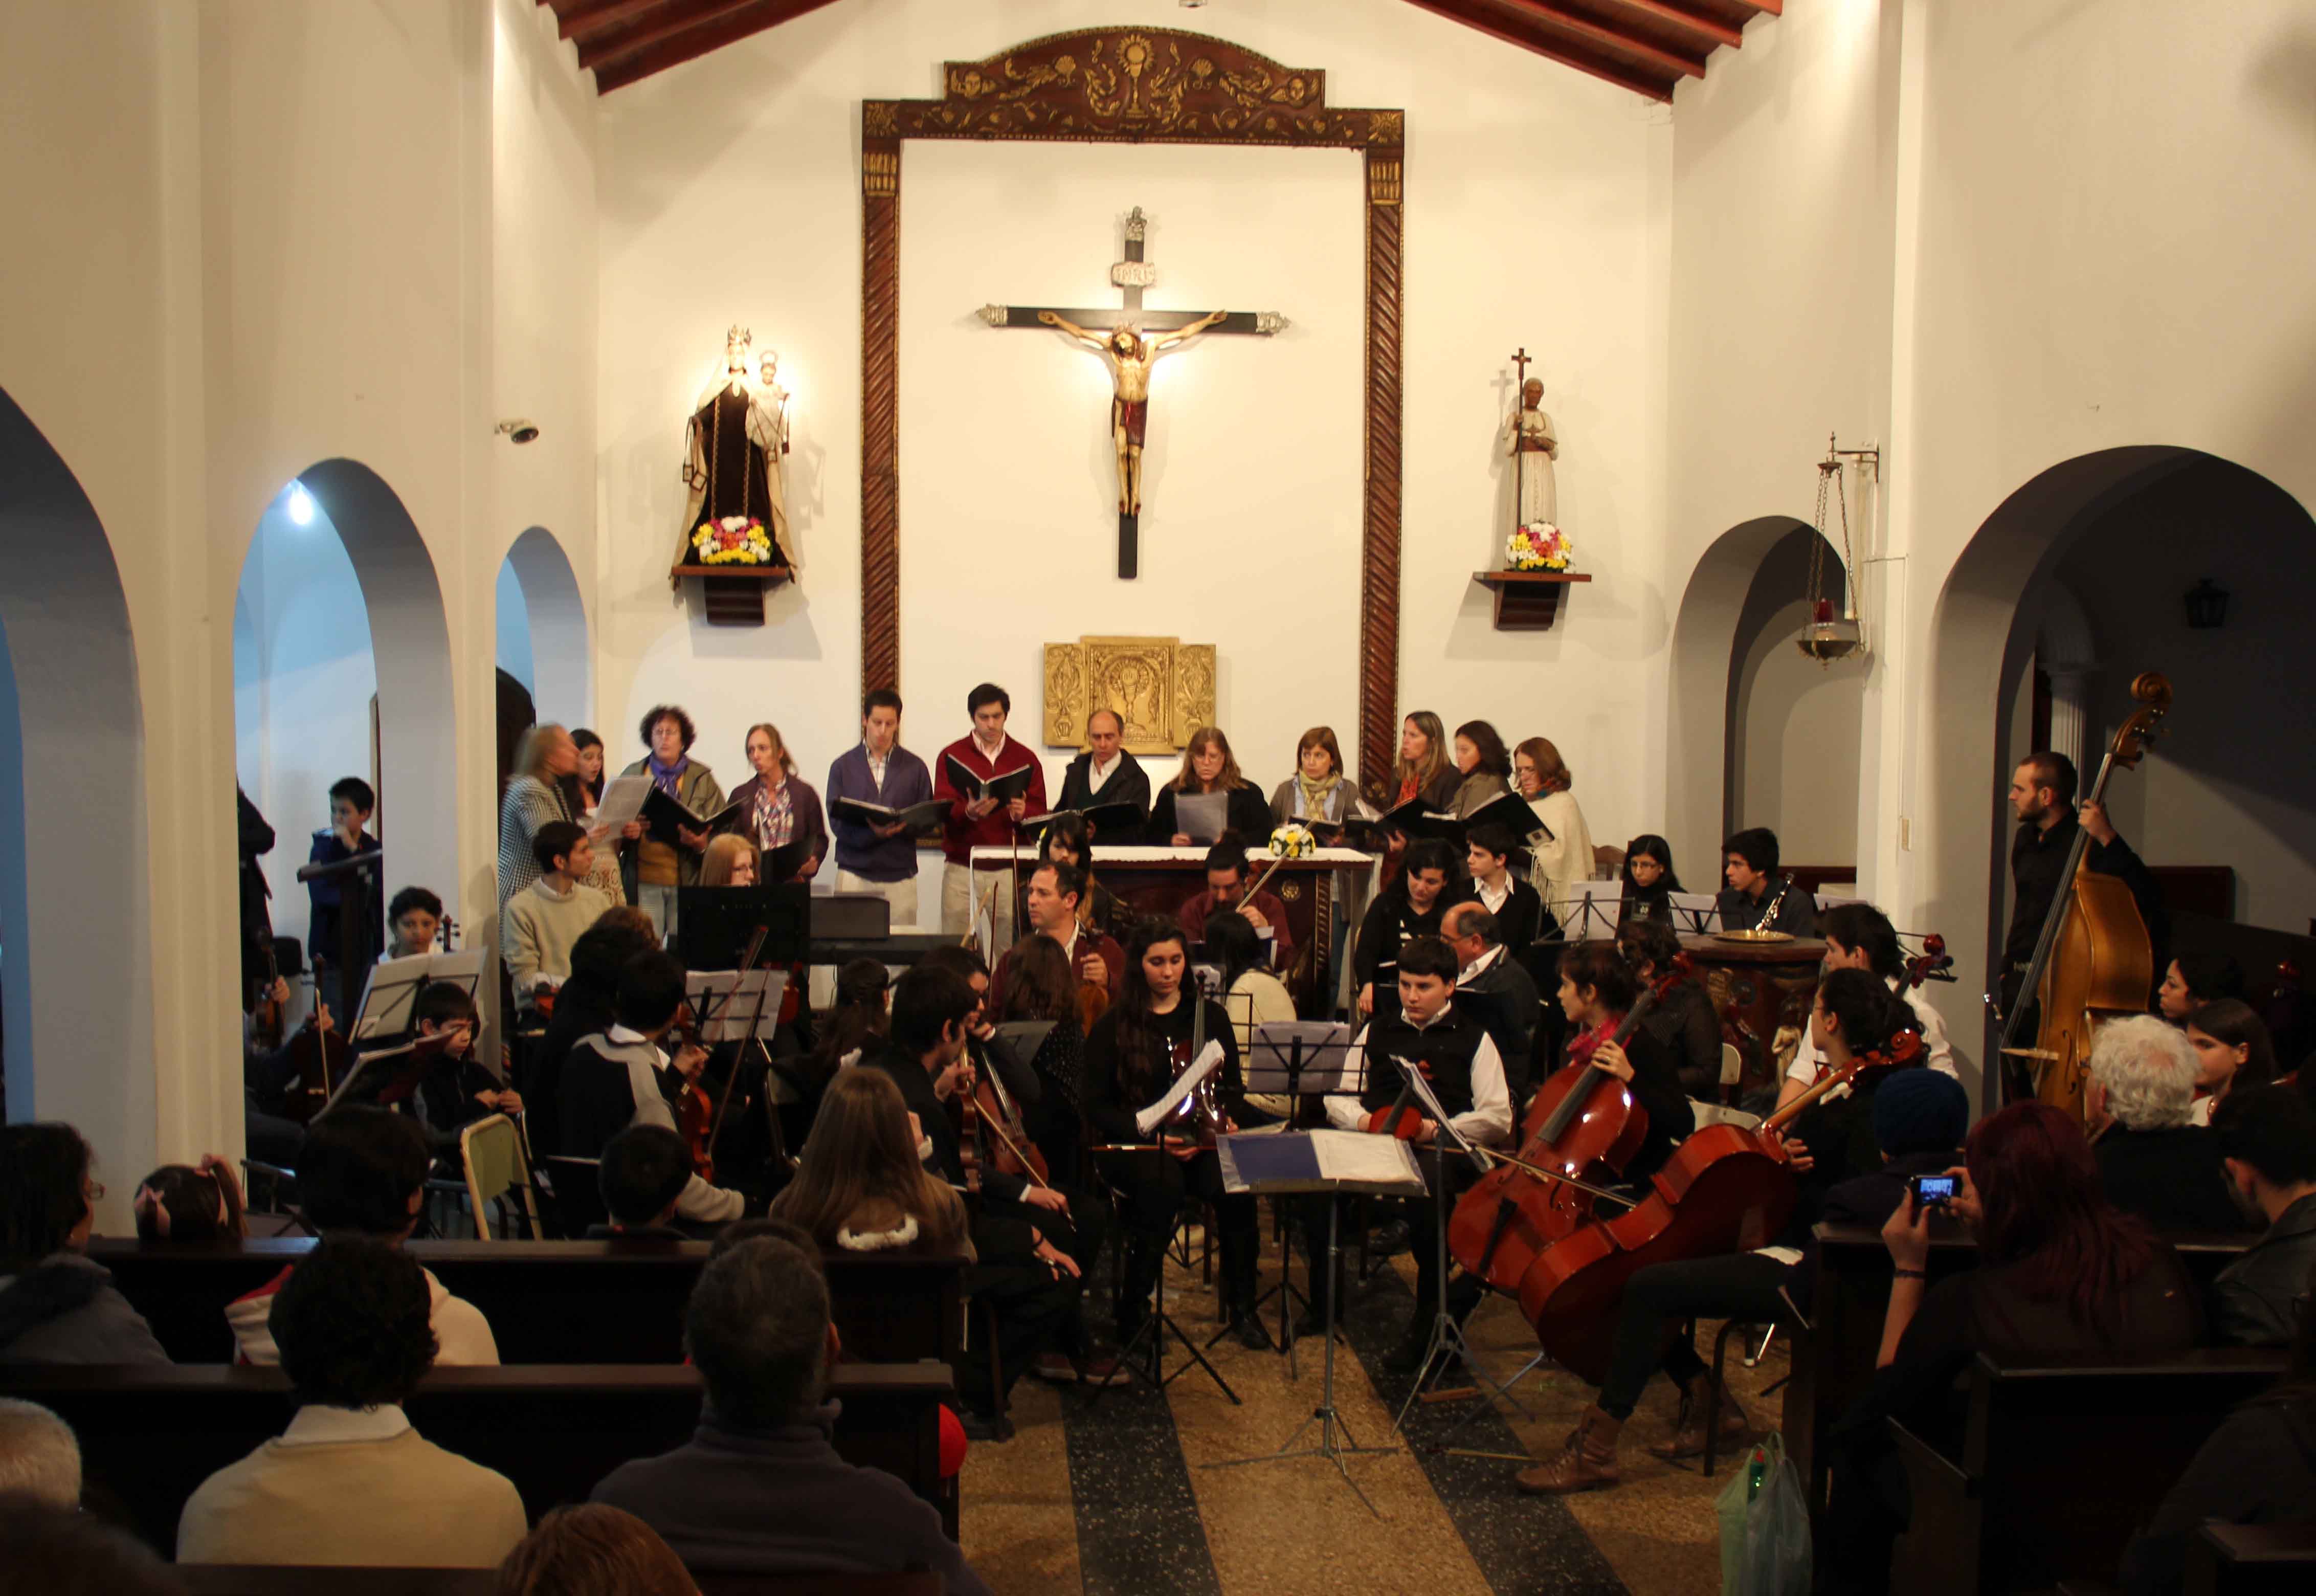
x: 1153, y: 332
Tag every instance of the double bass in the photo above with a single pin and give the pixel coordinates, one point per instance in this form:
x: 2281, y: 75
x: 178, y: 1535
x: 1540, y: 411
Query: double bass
x: 2093, y: 960
x: 1583, y: 1121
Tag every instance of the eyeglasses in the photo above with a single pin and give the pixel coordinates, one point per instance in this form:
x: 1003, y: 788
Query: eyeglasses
x: 95, y: 1190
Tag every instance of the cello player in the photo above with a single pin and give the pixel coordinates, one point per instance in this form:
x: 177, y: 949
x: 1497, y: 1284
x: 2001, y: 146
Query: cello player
x: 2042, y: 797
x: 1916, y: 1118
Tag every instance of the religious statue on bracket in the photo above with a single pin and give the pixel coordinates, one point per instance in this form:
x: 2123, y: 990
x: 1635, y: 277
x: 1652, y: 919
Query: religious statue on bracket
x: 1130, y: 340
x: 735, y: 441
x: 1536, y: 542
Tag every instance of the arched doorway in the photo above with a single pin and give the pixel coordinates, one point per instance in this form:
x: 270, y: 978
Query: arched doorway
x: 1760, y: 736
x: 2104, y: 547
x: 75, y: 966
x: 542, y: 629
x: 341, y: 668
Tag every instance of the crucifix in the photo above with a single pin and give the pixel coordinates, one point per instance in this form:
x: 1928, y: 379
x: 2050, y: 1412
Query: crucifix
x: 1130, y: 340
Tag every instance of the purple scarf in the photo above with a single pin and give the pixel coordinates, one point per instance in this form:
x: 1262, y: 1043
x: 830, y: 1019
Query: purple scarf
x: 665, y: 777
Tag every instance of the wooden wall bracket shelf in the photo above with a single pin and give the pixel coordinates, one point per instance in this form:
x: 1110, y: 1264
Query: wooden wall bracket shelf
x: 733, y: 595
x: 1527, y: 601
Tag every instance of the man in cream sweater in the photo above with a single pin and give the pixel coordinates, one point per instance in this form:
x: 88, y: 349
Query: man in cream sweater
x: 545, y: 918
x: 349, y: 1481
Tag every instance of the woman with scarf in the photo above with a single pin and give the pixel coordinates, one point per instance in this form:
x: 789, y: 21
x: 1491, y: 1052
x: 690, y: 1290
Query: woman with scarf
x: 1316, y: 790
x: 777, y: 807
x: 650, y: 871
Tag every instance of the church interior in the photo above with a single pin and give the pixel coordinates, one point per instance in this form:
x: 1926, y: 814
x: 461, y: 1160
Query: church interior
x: 1813, y: 420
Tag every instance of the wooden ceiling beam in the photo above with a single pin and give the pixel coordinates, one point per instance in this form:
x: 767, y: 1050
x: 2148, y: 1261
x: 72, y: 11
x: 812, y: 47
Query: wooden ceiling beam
x: 1593, y: 34
x: 576, y: 19
x: 1773, y: 7
x: 1709, y: 31
x: 1598, y: 66
x: 729, y: 27
x: 645, y: 31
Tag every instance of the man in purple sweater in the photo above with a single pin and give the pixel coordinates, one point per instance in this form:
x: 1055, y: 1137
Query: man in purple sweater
x: 879, y: 859
x: 759, y: 1489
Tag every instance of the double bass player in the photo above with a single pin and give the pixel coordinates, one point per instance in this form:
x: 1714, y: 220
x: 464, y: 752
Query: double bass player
x: 2042, y: 797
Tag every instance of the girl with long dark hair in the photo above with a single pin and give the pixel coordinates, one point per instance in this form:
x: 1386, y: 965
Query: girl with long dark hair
x: 1133, y: 1054
x: 1648, y: 878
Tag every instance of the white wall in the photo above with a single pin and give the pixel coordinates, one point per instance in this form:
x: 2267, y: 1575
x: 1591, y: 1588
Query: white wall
x: 302, y: 720
x: 514, y: 656
x: 1535, y: 215
x: 1793, y: 736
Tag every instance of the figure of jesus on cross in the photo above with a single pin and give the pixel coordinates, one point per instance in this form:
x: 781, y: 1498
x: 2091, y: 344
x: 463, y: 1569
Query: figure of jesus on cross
x: 1130, y: 340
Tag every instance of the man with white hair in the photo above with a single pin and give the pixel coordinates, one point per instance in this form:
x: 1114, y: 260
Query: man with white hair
x: 2152, y: 1162
x: 38, y: 1456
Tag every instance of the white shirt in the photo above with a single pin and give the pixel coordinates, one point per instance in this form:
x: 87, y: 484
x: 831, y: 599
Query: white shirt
x: 989, y: 751
x: 1808, y: 1062
x: 1488, y: 1123
x: 319, y: 1426
x: 1480, y: 965
x: 1494, y: 898
x: 622, y: 1036
x: 1098, y: 776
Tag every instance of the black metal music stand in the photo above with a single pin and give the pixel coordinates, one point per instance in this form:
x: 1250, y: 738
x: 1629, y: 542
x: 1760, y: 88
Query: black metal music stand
x: 1150, y: 1338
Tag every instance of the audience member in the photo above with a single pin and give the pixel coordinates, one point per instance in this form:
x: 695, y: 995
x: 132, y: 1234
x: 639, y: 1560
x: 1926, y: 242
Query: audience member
x: 539, y: 923
x: 48, y: 1550
x: 2257, y: 1467
x: 56, y: 1307
x: 2152, y: 1162
x: 643, y: 1171
x: 40, y: 1456
x: 2191, y: 980
x: 593, y: 1550
x: 759, y: 1489
x: 2267, y: 1143
x: 350, y: 1484
x: 2059, y: 1269
x: 2233, y: 1051
x: 364, y: 1170
x: 620, y: 1076
x: 863, y: 1186
x: 185, y: 1203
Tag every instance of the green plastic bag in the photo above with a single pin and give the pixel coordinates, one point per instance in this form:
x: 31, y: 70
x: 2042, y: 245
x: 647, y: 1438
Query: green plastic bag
x: 1765, y: 1538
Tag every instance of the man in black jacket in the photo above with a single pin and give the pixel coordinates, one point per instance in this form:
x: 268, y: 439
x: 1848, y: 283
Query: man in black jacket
x: 2042, y: 797
x: 1033, y: 1282
x: 1106, y: 773
x: 1496, y: 990
x: 758, y: 1489
x: 2267, y: 1138
x: 2151, y: 1161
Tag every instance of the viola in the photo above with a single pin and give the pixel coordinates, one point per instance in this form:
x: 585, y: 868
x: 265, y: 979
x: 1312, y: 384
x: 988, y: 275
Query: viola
x: 1583, y: 1124
x: 1724, y: 1190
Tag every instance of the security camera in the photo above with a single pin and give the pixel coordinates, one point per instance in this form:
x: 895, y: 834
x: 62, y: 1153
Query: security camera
x: 520, y: 430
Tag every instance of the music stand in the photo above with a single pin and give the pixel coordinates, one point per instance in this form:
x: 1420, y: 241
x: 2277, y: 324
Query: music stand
x: 1592, y: 908
x: 396, y: 1071
x: 389, y: 1000
x: 1291, y: 1163
x: 1700, y: 910
x: 1296, y: 1058
x: 713, y: 924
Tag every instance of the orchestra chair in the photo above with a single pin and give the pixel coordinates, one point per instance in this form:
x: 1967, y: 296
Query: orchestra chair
x: 1793, y: 1321
x: 491, y: 1153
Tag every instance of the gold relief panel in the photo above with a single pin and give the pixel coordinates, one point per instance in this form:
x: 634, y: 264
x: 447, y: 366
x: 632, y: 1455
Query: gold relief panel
x: 1162, y: 688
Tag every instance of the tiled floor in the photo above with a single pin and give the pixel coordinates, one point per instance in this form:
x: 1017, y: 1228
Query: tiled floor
x: 1121, y: 1497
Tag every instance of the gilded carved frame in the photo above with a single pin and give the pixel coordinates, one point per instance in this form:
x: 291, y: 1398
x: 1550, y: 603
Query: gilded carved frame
x: 1134, y: 85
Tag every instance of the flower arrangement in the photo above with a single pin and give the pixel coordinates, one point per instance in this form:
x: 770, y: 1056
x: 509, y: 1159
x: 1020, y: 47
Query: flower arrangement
x: 1541, y: 546
x: 1292, y: 842
x: 734, y: 540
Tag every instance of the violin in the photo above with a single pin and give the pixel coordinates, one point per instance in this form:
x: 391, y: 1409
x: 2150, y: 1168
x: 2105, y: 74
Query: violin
x: 695, y: 1115
x: 265, y: 1016
x: 999, y: 1115
x: 1724, y: 1190
x: 1583, y: 1123
x: 319, y: 1058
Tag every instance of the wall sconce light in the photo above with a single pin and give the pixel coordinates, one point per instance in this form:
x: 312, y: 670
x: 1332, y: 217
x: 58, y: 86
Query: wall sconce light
x: 2207, y: 605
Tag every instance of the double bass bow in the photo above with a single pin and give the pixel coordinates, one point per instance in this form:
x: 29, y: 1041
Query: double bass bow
x: 1583, y: 1121
x: 2093, y: 960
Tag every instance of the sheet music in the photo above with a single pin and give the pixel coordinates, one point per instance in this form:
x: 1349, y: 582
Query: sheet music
x: 391, y: 991
x: 1700, y: 911
x: 728, y: 1018
x: 622, y: 801
x: 1200, y: 1068
x: 1355, y: 1155
x: 1202, y: 816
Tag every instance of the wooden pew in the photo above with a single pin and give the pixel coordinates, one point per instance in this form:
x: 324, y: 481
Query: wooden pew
x: 217, y: 1579
x: 1845, y: 1332
x: 550, y: 1302
x: 2251, y: 1560
x: 2061, y: 1459
x: 148, y: 1436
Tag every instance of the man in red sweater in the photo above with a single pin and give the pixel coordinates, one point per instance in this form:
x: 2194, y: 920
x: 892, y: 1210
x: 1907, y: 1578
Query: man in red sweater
x: 983, y: 823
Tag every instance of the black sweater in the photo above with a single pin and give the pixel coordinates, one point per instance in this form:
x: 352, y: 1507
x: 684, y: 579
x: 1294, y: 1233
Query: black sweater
x: 1249, y: 815
x: 1114, y: 1093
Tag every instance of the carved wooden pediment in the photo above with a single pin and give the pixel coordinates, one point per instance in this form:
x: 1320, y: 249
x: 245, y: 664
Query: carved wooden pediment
x: 1129, y: 84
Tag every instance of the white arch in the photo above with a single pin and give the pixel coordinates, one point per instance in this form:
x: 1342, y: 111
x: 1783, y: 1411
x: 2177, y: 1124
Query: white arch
x: 562, y: 685
x: 75, y: 964
x: 410, y: 645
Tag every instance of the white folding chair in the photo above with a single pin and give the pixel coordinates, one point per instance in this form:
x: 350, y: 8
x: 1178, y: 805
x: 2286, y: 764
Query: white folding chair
x: 490, y: 1151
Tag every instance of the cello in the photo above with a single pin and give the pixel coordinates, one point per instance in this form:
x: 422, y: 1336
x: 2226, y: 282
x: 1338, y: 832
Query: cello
x: 2093, y: 960
x: 1583, y: 1120
x: 1724, y: 1190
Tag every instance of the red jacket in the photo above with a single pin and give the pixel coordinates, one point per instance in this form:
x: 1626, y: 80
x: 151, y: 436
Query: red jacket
x: 960, y: 836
